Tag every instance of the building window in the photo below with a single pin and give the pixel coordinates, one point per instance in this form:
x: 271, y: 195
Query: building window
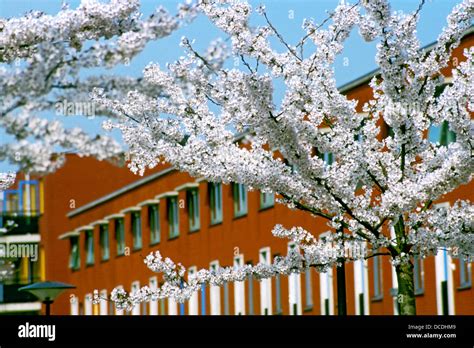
x: 154, y: 223
x: 239, y: 288
x: 215, y: 199
x: 193, y: 304
x: 226, y: 299
x: 215, y: 292
x: 465, y: 274
x: 104, y: 241
x: 267, y: 200
x: 74, y: 303
x: 153, y: 302
x: 308, y: 290
x: 192, y: 197
x: 294, y: 287
x: 89, y: 247
x: 173, y: 217
x: 162, y: 306
x: 418, y: 275
x: 136, y: 230
x: 278, y: 305
x: 328, y: 158
x: 377, y: 272
x: 361, y: 287
x: 441, y: 134
x: 88, y: 304
x: 103, y: 302
x: 134, y: 288
x: 240, y: 199
x: 326, y: 292
x: 74, y: 258
x: 120, y: 236
x: 250, y: 291
x: 172, y: 306
x: 203, y: 299
x: 265, y: 284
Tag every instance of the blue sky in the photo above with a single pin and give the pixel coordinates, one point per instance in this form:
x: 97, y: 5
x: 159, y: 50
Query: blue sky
x: 287, y: 15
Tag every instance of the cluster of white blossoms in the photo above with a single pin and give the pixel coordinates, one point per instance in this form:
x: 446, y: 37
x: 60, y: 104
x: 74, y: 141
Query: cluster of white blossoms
x: 44, y: 62
x: 6, y: 180
x: 374, y: 185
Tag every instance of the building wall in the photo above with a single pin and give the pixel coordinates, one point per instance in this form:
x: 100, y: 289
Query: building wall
x: 85, y: 180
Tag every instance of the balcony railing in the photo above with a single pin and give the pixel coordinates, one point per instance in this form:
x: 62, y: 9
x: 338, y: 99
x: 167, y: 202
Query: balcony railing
x: 9, y: 294
x: 25, y: 222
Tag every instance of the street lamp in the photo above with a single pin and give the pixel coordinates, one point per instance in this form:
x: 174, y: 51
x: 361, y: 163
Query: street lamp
x: 47, y: 292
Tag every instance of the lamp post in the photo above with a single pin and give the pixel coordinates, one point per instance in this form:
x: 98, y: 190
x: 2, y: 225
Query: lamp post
x: 47, y: 292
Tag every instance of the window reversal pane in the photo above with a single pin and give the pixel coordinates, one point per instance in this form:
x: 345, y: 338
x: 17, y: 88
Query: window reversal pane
x: 215, y: 198
x: 137, y: 230
x: 193, y: 209
x: 240, y: 199
x: 173, y: 217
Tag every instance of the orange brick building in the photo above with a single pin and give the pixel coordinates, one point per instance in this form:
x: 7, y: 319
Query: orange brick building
x: 99, y: 221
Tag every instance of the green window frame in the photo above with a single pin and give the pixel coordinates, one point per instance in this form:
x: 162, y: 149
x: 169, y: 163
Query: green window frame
x: 192, y: 197
x: 215, y: 199
x: 267, y: 200
x: 240, y: 199
x: 74, y: 257
x: 136, y: 224
x: 120, y: 236
x: 173, y: 216
x: 104, y: 241
x: 154, y: 223
x: 89, y: 247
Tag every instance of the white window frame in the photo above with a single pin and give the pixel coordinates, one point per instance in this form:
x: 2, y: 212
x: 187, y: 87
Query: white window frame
x: 444, y: 272
x: 103, y: 305
x: 119, y: 311
x: 361, y: 285
x: 135, y: 287
x: 88, y: 304
x: 153, y: 283
x: 239, y: 288
x: 294, y: 288
x: 394, y: 278
x: 74, y: 305
x: 172, y: 306
x: 215, y: 292
x: 326, y: 291
x: 265, y: 256
x: 193, y: 303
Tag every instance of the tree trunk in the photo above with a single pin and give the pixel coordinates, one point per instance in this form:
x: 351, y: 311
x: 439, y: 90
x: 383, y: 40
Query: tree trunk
x: 406, y: 289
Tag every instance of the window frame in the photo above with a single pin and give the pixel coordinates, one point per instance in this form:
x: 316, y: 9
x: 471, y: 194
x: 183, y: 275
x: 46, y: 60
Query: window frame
x: 215, y: 197
x: 74, y: 254
x: 154, y: 223
x: 119, y: 234
x: 240, y: 200
x: 136, y: 227
x: 267, y: 200
x: 194, y: 214
x: 104, y: 247
x: 89, y: 244
x: 172, y: 208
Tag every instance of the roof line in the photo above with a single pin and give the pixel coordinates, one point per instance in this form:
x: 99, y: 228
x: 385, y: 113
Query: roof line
x: 368, y: 76
x: 120, y: 191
